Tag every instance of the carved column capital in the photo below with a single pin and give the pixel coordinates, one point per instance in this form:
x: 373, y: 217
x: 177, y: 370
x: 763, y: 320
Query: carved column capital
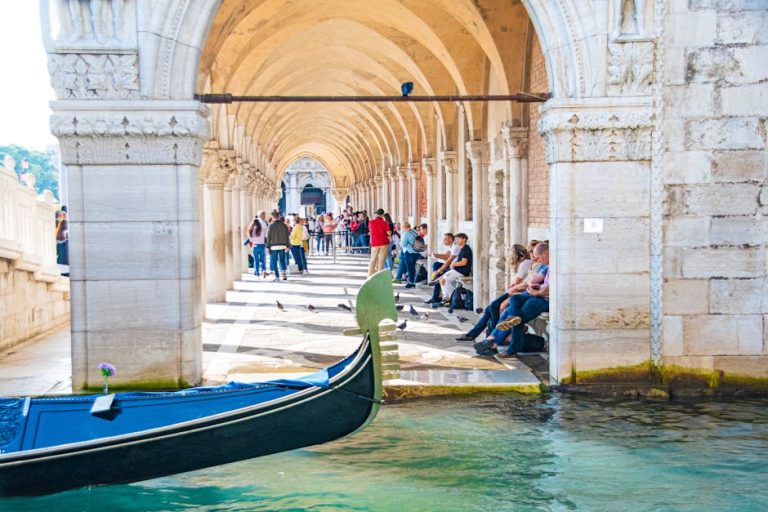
x: 450, y: 161
x: 430, y: 166
x: 515, y: 141
x: 478, y: 152
x: 598, y: 129
x: 134, y: 132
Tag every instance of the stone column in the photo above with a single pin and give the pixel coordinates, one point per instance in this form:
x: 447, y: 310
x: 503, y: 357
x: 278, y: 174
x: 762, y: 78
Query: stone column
x: 413, y: 178
x: 378, y: 193
x: 238, y: 230
x: 599, y: 161
x: 516, y: 158
x: 462, y: 183
x: 215, y: 236
x: 246, y: 216
x: 402, y: 212
x: 497, y: 226
x: 385, y: 201
x: 339, y: 195
x: 134, y: 237
x: 228, y: 252
x: 479, y: 155
x: 430, y: 169
x: 440, y: 190
x: 451, y: 206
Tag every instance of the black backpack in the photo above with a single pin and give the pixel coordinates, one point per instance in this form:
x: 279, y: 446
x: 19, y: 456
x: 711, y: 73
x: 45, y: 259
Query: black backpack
x: 462, y: 298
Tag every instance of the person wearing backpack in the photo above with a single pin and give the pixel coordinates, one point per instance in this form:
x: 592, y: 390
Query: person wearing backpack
x: 412, y: 246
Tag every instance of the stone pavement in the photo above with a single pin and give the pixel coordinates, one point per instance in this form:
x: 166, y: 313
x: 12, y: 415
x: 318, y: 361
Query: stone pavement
x: 249, y: 338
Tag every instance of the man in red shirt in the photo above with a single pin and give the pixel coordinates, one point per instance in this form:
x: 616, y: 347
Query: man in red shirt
x: 380, y: 236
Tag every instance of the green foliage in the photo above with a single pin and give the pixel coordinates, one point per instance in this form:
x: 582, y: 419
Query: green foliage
x: 40, y: 165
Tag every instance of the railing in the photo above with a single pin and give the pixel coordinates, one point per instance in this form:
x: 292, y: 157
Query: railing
x: 27, y: 229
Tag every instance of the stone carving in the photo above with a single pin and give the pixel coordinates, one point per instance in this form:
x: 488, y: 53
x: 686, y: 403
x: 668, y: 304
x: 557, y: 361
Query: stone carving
x: 630, y: 68
x: 95, y: 21
x: 595, y: 136
x: 628, y: 18
x: 94, y: 76
x: 145, y: 137
x: 10, y: 413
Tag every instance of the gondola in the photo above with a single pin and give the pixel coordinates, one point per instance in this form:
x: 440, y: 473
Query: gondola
x: 52, y: 444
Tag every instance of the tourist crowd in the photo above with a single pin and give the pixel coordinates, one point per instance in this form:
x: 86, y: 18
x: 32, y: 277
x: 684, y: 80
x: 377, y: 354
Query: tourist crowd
x: 402, y: 248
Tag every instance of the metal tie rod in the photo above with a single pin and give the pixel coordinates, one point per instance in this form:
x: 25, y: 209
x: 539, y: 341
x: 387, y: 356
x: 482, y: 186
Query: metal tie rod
x: 521, y: 97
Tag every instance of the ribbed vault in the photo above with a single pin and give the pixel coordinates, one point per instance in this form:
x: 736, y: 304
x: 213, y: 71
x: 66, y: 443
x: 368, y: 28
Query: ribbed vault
x: 336, y: 47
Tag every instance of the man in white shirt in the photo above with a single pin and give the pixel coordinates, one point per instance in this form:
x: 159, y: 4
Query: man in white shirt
x: 444, y: 259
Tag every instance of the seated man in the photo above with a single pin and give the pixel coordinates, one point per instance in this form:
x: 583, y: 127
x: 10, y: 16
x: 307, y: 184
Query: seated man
x: 461, y: 267
x: 522, y: 309
x: 444, y: 259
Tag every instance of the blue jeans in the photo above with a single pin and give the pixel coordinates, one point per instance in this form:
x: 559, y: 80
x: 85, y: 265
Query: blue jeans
x: 527, y: 308
x: 410, y: 265
x: 276, y: 257
x: 298, y: 255
x: 401, y: 267
x: 259, y: 259
x: 490, y: 316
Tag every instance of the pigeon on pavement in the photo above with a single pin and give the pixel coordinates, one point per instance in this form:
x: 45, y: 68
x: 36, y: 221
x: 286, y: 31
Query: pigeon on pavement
x: 413, y: 311
x: 345, y: 307
x: 399, y: 307
x: 280, y: 306
x: 403, y: 325
x: 397, y: 297
x: 462, y: 319
x: 312, y: 308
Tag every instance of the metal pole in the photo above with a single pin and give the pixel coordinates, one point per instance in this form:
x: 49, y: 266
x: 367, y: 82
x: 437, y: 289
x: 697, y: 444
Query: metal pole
x: 521, y: 97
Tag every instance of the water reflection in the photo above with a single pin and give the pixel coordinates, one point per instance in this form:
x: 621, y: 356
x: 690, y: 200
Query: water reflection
x: 487, y: 453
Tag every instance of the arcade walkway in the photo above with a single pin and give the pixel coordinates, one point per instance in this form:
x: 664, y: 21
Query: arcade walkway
x: 249, y: 338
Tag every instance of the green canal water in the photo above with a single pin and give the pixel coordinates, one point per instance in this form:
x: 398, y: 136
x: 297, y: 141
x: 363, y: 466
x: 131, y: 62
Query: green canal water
x: 487, y: 453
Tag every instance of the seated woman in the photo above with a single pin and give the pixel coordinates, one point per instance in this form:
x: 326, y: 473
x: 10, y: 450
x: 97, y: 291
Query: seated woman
x: 522, y: 264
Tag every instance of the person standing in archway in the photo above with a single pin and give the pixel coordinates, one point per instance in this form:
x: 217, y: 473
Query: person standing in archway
x: 380, y: 235
x: 278, y: 241
x: 257, y: 235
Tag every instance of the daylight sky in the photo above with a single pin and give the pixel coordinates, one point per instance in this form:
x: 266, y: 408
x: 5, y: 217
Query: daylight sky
x: 25, y: 88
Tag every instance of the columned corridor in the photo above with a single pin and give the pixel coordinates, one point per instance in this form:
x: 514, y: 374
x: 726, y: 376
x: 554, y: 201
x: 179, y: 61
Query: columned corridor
x: 248, y: 338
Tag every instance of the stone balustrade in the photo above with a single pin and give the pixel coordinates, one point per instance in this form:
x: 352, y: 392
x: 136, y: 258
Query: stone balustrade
x: 34, y: 297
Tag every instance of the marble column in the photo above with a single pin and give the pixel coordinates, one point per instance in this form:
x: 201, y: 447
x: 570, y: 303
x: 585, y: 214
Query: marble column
x: 451, y: 203
x: 378, y: 194
x: 430, y: 170
x: 133, y: 188
x: 462, y: 182
x: 516, y: 156
x: 385, y: 202
x: 238, y: 230
x: 228, y: 253
x: 402, y: 212
x: 246, y: 216
x: 498, y: 221
x: 215, y: 236
x: 479, y: 155
x: 413, y: 203
x: 440, y: 190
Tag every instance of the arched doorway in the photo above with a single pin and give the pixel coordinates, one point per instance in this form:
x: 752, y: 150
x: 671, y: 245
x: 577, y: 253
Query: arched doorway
x: 313, y: 197
x: 605, y: 186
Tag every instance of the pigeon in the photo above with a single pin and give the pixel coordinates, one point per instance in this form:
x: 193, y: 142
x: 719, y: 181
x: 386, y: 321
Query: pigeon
x: 462, y: 319
x: 280, y: 306
x: 312, y: 308
x: 479, y: 311
x: 425, y: 317
x: 403, y: 325
x: 345, y: 307
x: 450, y: 310
x: 397, y: 297
x: 413, y: 311
x: 399, y: 307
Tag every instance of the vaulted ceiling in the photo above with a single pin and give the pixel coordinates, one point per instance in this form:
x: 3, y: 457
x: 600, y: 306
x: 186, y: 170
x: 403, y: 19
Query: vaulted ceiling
x: 367, y: 47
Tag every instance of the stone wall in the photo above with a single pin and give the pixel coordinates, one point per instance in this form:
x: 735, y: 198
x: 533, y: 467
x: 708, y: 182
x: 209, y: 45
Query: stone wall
x: 538, y: 170
x: 716, y: 199
x: 28, y: 307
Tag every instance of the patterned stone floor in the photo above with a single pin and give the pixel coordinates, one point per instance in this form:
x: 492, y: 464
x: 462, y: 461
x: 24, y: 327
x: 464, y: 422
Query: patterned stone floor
x: 249, y: 338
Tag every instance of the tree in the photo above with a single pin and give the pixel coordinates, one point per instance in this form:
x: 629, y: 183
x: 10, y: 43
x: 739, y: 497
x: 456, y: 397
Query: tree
x: 40, y: 165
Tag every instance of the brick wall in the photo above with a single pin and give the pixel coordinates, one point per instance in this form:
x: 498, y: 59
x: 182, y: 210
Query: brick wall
x: 538, y: 171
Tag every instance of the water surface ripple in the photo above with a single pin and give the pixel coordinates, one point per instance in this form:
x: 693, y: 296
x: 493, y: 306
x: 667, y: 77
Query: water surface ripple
x: 486, y: 453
